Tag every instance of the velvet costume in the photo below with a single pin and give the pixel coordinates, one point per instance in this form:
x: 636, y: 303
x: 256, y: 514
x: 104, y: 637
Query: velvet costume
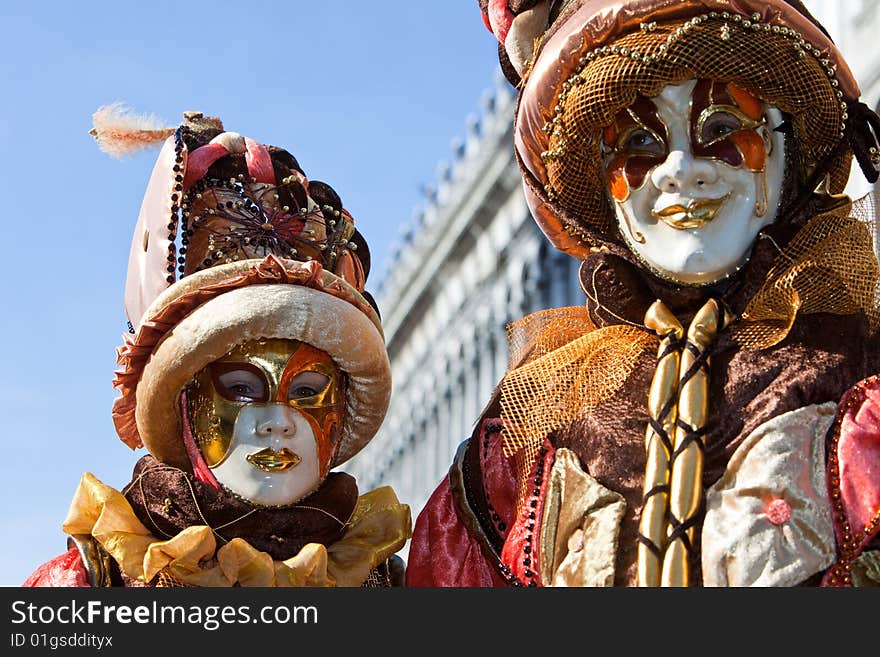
x: 457, y: 542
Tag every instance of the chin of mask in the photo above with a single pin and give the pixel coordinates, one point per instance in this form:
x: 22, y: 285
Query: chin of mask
x: 694, y: 174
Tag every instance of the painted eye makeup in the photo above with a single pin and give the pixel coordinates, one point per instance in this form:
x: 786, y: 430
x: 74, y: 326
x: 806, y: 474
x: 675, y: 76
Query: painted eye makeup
x: 239, y: 382
x: 631, y: 145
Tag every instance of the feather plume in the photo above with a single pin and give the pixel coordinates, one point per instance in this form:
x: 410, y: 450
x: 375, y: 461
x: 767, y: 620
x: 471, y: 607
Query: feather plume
x: 120, y: 132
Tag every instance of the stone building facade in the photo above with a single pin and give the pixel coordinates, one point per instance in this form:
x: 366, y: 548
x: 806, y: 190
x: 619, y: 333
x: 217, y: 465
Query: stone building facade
x: 469, y: 263
x: 854, y: 26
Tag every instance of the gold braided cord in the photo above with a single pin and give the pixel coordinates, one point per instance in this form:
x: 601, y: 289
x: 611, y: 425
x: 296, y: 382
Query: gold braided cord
x: 686, y: 467
x: 663, y: 409
x: 775, y: 66
x: 829, y: 267
x: 566, y: 367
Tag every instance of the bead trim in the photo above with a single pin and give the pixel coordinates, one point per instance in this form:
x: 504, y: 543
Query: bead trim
x: 492, y: 428
x: 527, y: 552
x: 176, y: 191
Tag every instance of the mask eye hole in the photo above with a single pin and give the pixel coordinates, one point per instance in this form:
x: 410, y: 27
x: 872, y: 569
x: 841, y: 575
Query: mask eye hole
x: 307, y: 385
x: 240, y: 382
x: 640, y: 142
x: 717, y: 125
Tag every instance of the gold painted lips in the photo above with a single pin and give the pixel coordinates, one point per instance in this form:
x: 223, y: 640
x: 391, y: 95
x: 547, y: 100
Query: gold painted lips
x: 268, y: 460
x: 696, y: 214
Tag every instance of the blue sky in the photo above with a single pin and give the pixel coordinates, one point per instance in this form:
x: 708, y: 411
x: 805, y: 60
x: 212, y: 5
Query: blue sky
x: 367, y: 96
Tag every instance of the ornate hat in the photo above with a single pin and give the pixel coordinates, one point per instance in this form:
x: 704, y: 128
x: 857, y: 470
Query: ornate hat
x: 233, y: 243
x: 579, y: 62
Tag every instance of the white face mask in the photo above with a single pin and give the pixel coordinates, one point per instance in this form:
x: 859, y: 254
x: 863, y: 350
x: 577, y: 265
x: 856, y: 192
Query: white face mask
x: 267, y: 417
x: 694, y: 174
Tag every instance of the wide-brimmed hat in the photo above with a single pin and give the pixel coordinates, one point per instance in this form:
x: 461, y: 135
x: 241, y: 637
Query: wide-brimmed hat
x: 261, y: 253
x: 591, y: 58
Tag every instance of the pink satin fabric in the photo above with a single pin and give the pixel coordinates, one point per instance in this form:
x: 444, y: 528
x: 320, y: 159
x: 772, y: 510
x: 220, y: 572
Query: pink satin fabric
x: 259, y: 162
x: 500, y: 18
x: 65, y: 570
x: 499, y: 477
x: 858, y: 451
x: 200, y: 160
x: 442, y: 553
x: 514, y: 554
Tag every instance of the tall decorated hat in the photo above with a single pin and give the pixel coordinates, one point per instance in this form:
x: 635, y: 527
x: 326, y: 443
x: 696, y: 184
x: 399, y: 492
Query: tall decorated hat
x: 233, y: 244
x: 577, y: 63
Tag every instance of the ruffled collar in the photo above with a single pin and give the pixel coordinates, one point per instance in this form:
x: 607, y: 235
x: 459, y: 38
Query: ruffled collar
x: 378, y: 527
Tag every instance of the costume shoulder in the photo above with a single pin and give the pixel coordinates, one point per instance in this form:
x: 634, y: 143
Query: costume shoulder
x: 65, y: 570
x: 459, y: 534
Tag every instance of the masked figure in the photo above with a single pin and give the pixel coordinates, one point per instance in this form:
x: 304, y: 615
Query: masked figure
x: 708, y: 417
x: 248, y: 379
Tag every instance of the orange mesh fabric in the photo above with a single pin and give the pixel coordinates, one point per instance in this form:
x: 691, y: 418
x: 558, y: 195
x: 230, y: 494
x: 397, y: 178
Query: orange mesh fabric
x: 829, y: 267
x: 540, y: 333
x: 562, y: 366
x: 772, y: 63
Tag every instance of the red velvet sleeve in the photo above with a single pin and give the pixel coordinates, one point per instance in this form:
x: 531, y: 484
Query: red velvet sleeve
x: 65, y: 570
x: 442, y: 553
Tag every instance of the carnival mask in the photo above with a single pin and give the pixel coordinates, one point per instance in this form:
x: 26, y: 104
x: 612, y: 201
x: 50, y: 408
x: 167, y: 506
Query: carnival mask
x: 694, y: 174
x: 266, y: 418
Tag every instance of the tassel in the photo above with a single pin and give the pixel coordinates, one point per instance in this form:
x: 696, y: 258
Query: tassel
x: 119, y: 132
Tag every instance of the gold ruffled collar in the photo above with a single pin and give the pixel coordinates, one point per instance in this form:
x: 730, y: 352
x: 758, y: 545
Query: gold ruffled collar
x: 378, y: 528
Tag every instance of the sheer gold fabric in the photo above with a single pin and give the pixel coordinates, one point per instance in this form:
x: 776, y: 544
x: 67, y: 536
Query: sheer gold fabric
x: 829, y: 267
x: 562, y: 366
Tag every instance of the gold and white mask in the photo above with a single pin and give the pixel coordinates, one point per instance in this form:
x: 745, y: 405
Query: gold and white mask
x: 267, y: 418
x: 694, y: 174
